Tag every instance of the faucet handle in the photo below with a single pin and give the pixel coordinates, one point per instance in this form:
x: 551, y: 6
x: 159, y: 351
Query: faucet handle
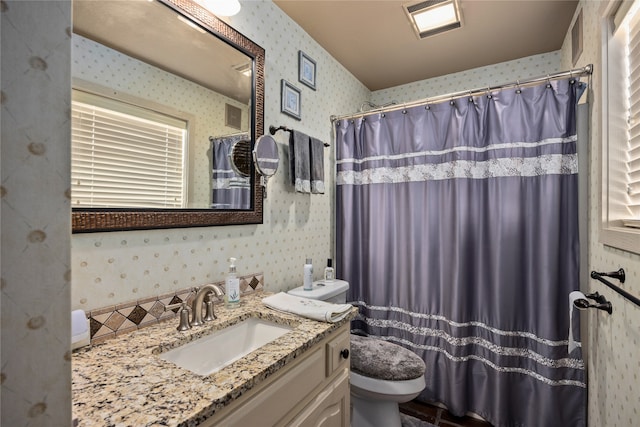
x: 210, y: 315
x: 184, y: 325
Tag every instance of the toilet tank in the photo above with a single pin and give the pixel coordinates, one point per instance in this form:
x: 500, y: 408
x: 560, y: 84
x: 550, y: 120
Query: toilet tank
x: 334, y: 291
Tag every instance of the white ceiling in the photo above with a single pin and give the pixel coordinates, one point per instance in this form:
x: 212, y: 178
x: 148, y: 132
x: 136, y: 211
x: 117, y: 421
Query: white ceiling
x: 375, y: 41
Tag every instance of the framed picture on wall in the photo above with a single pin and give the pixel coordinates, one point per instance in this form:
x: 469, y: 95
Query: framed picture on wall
x: 290, y: 100
x: 306, y: 70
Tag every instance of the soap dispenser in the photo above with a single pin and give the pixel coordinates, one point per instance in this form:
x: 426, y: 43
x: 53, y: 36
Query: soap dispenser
x: 232, y: 286
x: 329, y: 272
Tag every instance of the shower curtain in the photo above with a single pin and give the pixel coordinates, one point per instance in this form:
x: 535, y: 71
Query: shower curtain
x: 229, y: 190
x: 457, y: 228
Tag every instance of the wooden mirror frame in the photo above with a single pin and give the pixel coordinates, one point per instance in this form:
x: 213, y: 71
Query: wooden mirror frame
x: 95, y: 220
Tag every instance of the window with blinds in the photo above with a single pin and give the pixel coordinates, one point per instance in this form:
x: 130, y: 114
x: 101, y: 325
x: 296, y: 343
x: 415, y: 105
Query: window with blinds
x: 125, y: 156
x: 632, y: 30
x: 620, y: 225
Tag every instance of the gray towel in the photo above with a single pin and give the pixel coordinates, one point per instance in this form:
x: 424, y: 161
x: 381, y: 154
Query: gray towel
x: 317, y: 166
x: 300, y: 161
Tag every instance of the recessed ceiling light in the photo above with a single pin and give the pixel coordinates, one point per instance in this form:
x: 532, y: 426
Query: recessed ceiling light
x: 433, y: 16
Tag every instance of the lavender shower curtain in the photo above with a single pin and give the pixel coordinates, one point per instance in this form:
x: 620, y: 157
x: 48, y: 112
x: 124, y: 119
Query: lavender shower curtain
x: 457, y: 228
x: 228, y: 189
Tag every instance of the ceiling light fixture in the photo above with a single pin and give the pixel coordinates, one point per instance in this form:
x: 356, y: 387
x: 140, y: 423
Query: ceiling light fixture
x: 433, y: 16
x: 245, y: 69
x: 221, y: 7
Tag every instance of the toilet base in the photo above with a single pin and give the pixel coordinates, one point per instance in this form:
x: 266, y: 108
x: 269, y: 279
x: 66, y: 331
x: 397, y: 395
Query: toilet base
x: 374, y: 413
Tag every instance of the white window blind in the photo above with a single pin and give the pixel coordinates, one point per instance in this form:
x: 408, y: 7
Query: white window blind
x: 125, y: 156
x: 633, y: 119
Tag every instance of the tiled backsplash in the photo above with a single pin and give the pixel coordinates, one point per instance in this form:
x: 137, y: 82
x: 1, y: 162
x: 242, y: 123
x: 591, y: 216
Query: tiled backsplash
x: 109, y: 322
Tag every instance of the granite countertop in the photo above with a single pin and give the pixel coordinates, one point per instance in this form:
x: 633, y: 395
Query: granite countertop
x: 123, y: 381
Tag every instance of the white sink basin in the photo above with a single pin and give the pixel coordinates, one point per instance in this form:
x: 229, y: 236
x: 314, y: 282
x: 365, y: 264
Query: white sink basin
x: 213, y: 352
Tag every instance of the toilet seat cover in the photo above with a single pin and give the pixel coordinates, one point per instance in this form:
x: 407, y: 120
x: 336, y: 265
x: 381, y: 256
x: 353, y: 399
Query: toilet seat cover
x: 383, y: 360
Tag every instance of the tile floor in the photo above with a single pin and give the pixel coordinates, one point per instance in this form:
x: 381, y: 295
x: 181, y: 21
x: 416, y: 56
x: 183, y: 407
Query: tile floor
x: 438, y: 416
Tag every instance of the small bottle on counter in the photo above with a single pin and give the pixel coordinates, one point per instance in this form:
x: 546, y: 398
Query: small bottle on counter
x: 308, y: 275
x: 232, y: 286
x: 329, y: 272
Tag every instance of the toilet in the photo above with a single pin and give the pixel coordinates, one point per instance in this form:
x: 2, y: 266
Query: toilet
x: 383, y: 374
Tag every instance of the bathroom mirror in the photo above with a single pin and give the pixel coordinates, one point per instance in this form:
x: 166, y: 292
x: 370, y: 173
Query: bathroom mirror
x: 266, y: 159
x: 223, y: 76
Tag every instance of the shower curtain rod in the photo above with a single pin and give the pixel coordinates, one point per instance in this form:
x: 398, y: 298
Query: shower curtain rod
x: 211, y: 138
x: 586, y: 70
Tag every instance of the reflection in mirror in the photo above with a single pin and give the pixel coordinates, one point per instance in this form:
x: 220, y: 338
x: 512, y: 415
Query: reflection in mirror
x: 231, y: 172
x: 266, y: 158
x: 163, y: 65
x: 240, y: 157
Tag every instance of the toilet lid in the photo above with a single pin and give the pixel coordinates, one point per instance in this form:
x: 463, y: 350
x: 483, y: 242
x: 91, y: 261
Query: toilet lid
x: 383, y: 360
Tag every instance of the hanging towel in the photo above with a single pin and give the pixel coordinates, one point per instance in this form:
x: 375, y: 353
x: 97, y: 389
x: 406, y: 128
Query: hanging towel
x: 309, y: 308
x: 299, y: 161
x: 317, y: 166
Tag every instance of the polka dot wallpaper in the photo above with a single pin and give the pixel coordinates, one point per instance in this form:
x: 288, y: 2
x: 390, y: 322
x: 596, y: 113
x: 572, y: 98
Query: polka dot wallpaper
x: 476, y: 78
x: 35, y: 376
x: 613, y: 340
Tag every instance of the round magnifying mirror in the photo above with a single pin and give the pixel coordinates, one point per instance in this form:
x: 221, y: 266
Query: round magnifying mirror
x: 240, y: 158
x: 266, y: 159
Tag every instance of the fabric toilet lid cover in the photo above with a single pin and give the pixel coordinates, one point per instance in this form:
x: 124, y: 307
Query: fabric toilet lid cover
x: 383, y: 360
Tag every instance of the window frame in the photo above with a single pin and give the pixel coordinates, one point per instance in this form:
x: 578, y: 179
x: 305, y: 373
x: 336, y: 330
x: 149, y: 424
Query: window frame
x: 614, y: 165
x: 94, y: 89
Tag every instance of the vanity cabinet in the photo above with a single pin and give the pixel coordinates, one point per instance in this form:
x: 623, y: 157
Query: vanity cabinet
x: 310, y: 391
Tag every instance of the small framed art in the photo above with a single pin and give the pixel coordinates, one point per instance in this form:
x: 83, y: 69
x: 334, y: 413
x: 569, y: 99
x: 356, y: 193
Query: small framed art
x: 290, y: 100
x: 306, y: 70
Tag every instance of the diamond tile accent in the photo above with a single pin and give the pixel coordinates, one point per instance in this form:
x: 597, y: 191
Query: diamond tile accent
x: 112, y: 321
x: 157, y: 309
x: 115, y: 321
x: 137, y: 314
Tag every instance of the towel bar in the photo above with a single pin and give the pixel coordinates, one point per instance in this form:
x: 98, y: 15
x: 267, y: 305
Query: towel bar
x: 273, y: 130
x: 620, y: 276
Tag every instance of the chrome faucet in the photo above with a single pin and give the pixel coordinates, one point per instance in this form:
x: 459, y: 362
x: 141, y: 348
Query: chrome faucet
x: 196, y: 308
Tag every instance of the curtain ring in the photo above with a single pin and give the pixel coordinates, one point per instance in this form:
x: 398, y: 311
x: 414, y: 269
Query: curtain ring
x: 571, y: 79
x: 382, y: 115
x: 518, y: 90
x: 470, y: 97
x: 427, y: 107
x: 489, y: 96
x: 452, y: 102
x: 548, y: 82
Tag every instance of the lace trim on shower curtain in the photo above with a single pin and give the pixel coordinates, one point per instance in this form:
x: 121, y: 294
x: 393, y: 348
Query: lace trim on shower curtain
x: 493, y: 147
x: 551, y: 164
x: 498, y: 350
